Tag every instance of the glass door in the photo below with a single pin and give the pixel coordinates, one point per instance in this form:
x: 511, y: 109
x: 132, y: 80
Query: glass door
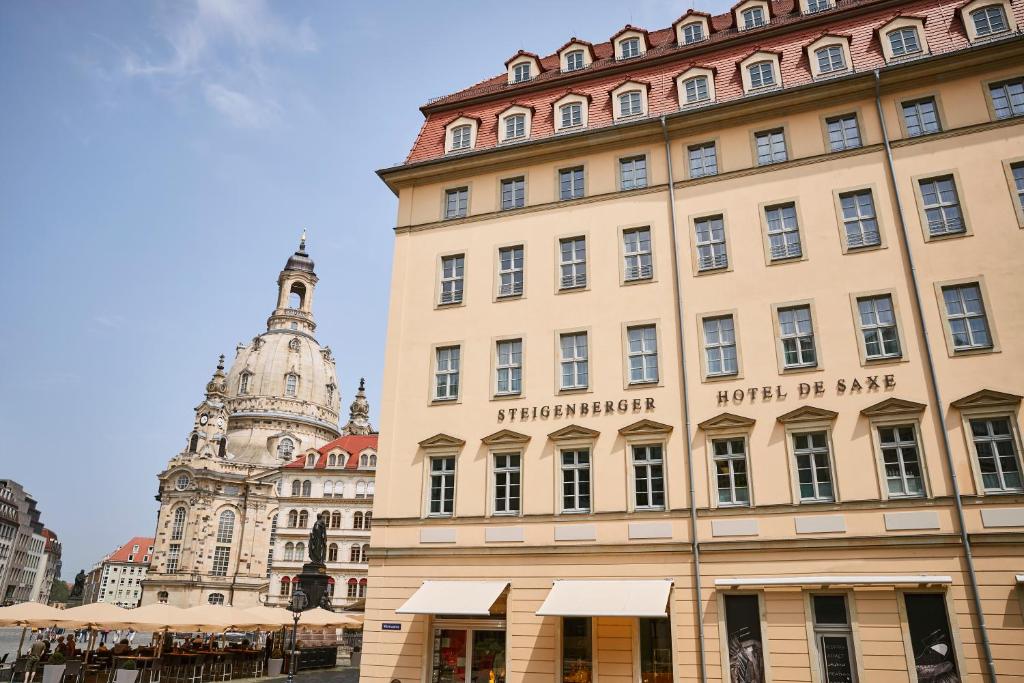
x: 450, y: 655
x: 834, y: 638
x: 468, y: 652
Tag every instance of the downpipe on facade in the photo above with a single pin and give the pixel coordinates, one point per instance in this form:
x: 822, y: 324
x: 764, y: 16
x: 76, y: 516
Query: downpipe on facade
x: 947, y: 450
x: 677, y: 285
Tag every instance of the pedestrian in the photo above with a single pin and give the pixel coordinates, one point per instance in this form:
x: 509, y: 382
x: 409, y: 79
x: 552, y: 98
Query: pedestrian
x: 35, y: 653
x: 131, y: 636
x: 104, y: 634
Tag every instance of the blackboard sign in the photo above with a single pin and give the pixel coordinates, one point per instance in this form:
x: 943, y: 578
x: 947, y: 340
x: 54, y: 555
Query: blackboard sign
x: 836, y: 653
x: 390, y: 626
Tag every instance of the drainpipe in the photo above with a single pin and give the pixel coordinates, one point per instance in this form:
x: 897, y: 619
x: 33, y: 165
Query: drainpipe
x: 947, y: 450
x: 677, y: 286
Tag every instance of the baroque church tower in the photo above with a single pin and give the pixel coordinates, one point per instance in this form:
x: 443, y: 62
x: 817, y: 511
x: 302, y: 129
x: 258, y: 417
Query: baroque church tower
x: 219, y: 495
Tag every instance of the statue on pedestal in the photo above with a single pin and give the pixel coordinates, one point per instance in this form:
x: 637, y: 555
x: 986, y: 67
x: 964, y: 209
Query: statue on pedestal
x: 318, y: 541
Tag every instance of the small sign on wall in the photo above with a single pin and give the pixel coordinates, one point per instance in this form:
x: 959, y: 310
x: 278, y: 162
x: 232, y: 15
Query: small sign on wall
x: 391, y: 626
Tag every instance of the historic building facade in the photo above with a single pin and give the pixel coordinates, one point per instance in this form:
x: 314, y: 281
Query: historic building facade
x: 117, y: 578
x: 219, y: 496
x: 705, y: 358
x: 30, y: 554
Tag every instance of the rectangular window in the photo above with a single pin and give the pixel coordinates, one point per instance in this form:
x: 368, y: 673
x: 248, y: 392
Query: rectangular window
x: 577, y: 650
x: 814, y: 473
x: 576, y: 480
x: 815, y: 6
x: 762, y: 75
x: 506, y: 483
x: 720, y: 346
x: 989, y: 20
x: 1007, y: 98
x: 859, y: 221
x: 965, y: 313
x: 878, y: 327
x: 643, y: 354
x: 941, y: 206
x: 831, y: 59
x: 515, y: 126
x: 509, y: 366
x: 520, y: 73
x: 997, y: 455
x: 510, y: 271
x: 696, y: 89
x: 743, y: 634
x: 655, y: 650
x: 446, y: 373
x: 570, y: 183
x: 456, y: 202
x: 575, y: 363
x: 1017, y: 170
x: 903, y: 41
x: 452, y: 270
x: 442, y: 486
x: 703, y: 160
x: 574, y: 60
x: 513, y: 193
x: 771, y: 146
x: 796, y: 334
x: 693, y: 33
x: 630, y: 48
x: 633, y: 172
x: 573, y: 256
x: 711, y: 251
x: 636, y: 251
x: 461, y: 137
x: 173, y: 556
x: 843, y: 132
x: 783, y: 232
x: 730, y: 456
x: 921, y: 117
x: 930, y: 639
x: 221, y: 554
x: 630, y: 104
x: 753, y: 17
x: 901, y: 461
x: 572, y: 115
x: 648, y: 478
x: 833, y: 637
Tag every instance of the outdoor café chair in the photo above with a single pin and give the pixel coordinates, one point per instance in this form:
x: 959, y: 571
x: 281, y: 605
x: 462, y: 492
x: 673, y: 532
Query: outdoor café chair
x: 72, y: 671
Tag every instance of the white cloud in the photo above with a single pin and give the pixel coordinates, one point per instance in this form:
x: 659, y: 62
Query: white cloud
x: 240, y: 109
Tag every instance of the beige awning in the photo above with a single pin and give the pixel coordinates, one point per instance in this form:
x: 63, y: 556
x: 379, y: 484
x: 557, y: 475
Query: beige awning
x: 31, y: 614
x: 467, y: 598
x: 610, y: 598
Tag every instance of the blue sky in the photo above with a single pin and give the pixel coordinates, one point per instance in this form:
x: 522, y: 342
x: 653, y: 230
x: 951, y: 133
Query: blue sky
x: 159, y: 160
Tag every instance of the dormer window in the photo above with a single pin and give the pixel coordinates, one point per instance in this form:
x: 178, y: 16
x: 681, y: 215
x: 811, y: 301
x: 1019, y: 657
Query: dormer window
x: 460, y: 133
x: 762, y: 75
x: 629, y: 48
x: 989, y: 20
x: 570, y: 111
x: 515, y: 125
x: 291, y: 384
x: 753, y: 17
x: 572, y: 114
x: 461, y: 136
x: 829, y: 55
x: 696, y: 90
x: 521, y: 72
x: 693, y: 33
x: 985, y: 19
x: 830, y: 59
x: 630, y: 104
x: 903, y: 41
x: 696, y: 86
x: 243, y: 383
x: 574, y: 60
x: 760, y: 71
x: 815, y: 6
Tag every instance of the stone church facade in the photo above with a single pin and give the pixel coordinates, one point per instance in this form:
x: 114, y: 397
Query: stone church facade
x: 277, y: 404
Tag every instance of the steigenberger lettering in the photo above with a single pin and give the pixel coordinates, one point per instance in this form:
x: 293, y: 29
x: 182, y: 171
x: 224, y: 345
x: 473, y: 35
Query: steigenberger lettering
x: 569, y: 410
x: 842, y: 387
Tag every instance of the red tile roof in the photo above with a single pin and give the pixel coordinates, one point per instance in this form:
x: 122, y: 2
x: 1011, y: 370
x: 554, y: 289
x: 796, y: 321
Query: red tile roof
x: 353, y: 444
x: 721, y: 51
x: 122, y: 553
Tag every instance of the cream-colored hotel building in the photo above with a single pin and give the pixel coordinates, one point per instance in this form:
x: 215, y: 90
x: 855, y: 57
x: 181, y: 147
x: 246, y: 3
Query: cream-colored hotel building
x: 705, y: 358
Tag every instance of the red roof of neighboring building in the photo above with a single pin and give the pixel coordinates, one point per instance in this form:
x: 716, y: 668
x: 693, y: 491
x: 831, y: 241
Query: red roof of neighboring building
x: 122, y: 553
x: 353, y: 444
x: 721, y: 51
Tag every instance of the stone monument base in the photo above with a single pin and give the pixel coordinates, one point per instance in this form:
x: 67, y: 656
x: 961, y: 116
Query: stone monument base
x: 313, y: 580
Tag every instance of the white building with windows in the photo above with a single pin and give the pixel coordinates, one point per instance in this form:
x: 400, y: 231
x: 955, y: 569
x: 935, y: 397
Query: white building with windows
x: 117, y: 578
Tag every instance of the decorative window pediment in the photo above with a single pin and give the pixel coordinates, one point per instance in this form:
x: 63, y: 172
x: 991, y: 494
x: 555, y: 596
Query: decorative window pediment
x: 523, y: 66
x: 630, y: 42
x: 751, y: 14
x: 985, y: 19
x: 575, y: 55
x: 761, y: 71
x: 460, y: 133
x: 892, y: 407
x: 692, y: 27
x: 829, y: 55
x: 570, y: 108
x: 987, y: 398
x: 903, y: 37
x: 572, y: 433
x: 807, y: 414
x: 442, y: 441
x: 724, y: 421
x: 645, y: 428
x: 505, y: 437
x: 696, y: 86
x: 629, y: 99
x: 514, y: 123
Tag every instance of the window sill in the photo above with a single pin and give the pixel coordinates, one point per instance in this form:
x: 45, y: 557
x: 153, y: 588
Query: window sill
x: 883, y: 360
x: 509, y: 297
x: 711, y: 271
x: 974, y: 351
x: 569, y: 290
x: 948, y: 236
x: 863, y: 247
x: 638, y: 281
x: 644, y: 384
x: 723, y: 377
x: 687, y: 106
x: 506, y: 397
x: 798, y: 369
x: 444, y: 401
x: 453, y: 304
x: 630, y: 189
x: 828, y: 75
x: 817, y: 501
x: 574, y: 390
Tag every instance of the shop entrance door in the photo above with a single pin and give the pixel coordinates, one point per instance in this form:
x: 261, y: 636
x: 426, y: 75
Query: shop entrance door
x: 468, y: 652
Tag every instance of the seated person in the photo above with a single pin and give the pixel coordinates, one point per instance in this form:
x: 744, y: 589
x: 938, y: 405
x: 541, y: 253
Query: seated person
x: 102, y: 649
x: 122, y: 648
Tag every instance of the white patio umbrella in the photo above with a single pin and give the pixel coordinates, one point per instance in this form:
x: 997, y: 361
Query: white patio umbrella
x: 29, y: 615
x: 95, y: 615
x: 270, y: 617
x: 324, y: 618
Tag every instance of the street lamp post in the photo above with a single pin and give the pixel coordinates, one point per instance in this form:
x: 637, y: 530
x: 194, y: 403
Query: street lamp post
x: 296, y: 605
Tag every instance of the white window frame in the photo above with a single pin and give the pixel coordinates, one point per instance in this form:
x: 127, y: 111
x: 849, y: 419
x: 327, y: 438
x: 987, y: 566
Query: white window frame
x: 755, y: 59
x: 291, y: 384
x: 567, y: 100
x: 575, y: 468
x: 629, y: 174
x: 450, y: 129
x: 860, y: 223
x: 900, y: 445
x: 720, y: 345
x: 652, y: 462
x: 967, y: 317
x: 461, y: 195
x: 507, y: 367
x: 799, y: 336
x: 641, y: 350
x: 575, y: 263
x: 730, y: 457
x: 575, y: 360
x: 712, y: 252
x: 451, y: 282
x: 637, y: 260
x: 876, y: 326
x: 448, y: 374
x: 845, y: 141
x: 508, y: 471
x: 813, y: 451
x: 783, y: 248
x: 701, y: 147
x: 447, y: 479
x: 511, y: 277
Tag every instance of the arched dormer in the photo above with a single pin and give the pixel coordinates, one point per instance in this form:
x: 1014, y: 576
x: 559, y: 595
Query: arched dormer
x: 523, y: 66
x: 761, y: 71
x: 984, y: 19
x: 696, y: 86
x: 514, y: 123
x: 460, y: 133
x: 571, y: 111
x: 631, y: 42
x: 751, y: 14
x: 245, y: 383
x: 629, y: 100
x: 692, y: 27
x: 285, y: 447
x: 903, y: 37
x: 575, y: 55
x: 829, y: 55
